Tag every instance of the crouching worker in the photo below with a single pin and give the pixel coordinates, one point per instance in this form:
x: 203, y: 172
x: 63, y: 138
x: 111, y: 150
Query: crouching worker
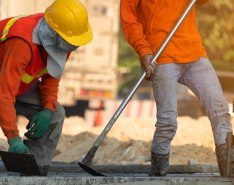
x: 146, y: 24
x: 33, y: 53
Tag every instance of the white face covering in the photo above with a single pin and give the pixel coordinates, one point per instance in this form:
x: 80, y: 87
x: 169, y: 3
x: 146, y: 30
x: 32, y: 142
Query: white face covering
x: 54, y: 45
x: 65, y: 46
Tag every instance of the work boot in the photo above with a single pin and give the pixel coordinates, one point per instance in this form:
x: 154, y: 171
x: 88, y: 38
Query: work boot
x: 221, y: 154
x: 159, y: 164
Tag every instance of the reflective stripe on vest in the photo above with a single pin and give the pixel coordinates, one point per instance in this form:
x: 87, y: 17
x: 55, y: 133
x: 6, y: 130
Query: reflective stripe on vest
x: 8, y: 25
x: 26, y: 77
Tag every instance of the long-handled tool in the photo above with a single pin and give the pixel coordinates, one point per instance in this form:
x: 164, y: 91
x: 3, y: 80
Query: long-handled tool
x: 87, y: 161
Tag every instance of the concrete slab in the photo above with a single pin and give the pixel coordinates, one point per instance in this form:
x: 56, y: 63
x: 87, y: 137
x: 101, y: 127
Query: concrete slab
x: 72, y: 174
x: 58, y: 167
x: 59, y: 179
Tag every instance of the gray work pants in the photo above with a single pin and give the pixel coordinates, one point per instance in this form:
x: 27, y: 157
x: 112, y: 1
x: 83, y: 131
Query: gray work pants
x: 201, y: 78
x: 43, y: 149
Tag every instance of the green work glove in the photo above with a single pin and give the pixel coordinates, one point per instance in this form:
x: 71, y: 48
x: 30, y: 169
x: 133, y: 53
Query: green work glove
x: 16, y: 145
x: 39, y: 124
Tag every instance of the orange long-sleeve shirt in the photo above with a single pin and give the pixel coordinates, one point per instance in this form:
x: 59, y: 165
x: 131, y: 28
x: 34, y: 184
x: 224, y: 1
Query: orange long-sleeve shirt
x: 146, y: 24
x: 15, y: 55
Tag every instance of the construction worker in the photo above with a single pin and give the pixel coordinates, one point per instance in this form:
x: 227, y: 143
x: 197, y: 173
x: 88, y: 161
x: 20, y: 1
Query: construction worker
x: 146, y: 24
x: 33, y: 52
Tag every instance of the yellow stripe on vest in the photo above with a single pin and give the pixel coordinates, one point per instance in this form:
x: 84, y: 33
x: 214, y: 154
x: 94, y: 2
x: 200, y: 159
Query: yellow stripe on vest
x: 43, y: 71
x: 28, y: 78
x: 8, y: 26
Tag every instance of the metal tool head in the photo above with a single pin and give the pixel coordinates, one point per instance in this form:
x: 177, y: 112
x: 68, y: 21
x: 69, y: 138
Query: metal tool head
x: 90, y: 170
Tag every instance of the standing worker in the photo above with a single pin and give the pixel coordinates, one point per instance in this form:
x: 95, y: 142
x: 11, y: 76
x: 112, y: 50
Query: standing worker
x: 146, y: 24
x: 33, y: 53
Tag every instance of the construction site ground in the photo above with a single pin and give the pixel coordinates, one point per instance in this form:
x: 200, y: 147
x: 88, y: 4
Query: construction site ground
x: 127, y: 149
x: 72, y: 174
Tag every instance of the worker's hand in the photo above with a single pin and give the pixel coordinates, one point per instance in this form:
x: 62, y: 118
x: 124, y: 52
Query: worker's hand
x: 39, y: 124
x: 147, y: 66
x: 16, y: 145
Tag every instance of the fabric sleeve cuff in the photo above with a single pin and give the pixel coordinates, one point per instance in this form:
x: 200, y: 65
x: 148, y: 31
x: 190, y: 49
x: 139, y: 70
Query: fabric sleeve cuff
x: 12, y: 134
x: 50, y: 106
x: 145, y: 51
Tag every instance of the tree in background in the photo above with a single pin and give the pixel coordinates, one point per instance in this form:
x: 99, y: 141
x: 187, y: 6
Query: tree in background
x: 216, y: 25
x: 129, y: 65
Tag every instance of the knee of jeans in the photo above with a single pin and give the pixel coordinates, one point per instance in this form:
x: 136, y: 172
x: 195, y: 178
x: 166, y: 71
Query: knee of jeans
x: 216, y: 112
x: 221, y: 122
x: 169, y: 117
x: 169, y: 124
x: 225, y: 118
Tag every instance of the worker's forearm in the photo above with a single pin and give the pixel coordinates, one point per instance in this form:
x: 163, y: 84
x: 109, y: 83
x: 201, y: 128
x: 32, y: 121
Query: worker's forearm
x: 132, y: 28
x: 8, y: 120
x: 15, y: 54
x: 48, y: 91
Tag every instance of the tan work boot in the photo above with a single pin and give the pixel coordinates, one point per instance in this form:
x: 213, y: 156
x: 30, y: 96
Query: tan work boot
x: 221, y: 154
x: 225, y: 156
x: 159, y: 164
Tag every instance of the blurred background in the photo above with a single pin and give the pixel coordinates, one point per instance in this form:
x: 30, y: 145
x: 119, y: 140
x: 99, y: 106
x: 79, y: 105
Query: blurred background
x: 99, y: 75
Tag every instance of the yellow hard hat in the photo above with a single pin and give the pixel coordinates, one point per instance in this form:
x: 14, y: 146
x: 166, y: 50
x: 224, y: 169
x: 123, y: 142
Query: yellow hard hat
x: 69, y: 18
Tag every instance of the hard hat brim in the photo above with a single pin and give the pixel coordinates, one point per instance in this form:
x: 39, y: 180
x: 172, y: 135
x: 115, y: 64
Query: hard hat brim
x: 80, y: 40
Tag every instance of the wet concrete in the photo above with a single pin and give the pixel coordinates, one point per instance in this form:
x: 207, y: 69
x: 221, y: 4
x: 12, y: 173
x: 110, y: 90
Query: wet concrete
x: 74, y: 179
x: 71, y: 168
x: 72, y: 174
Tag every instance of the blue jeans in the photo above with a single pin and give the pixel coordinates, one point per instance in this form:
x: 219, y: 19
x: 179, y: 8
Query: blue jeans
x: 200, y: 77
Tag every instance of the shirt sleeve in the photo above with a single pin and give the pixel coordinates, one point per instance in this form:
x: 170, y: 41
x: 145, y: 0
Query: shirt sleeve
x: 49, y: 92
x: 132, y: 28
x: 15, y: 55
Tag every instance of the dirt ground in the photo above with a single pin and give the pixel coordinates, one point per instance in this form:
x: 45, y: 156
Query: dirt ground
x: 129, y: 141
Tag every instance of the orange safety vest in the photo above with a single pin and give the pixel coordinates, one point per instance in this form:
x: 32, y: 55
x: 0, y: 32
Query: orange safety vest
x: 22, y: 27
